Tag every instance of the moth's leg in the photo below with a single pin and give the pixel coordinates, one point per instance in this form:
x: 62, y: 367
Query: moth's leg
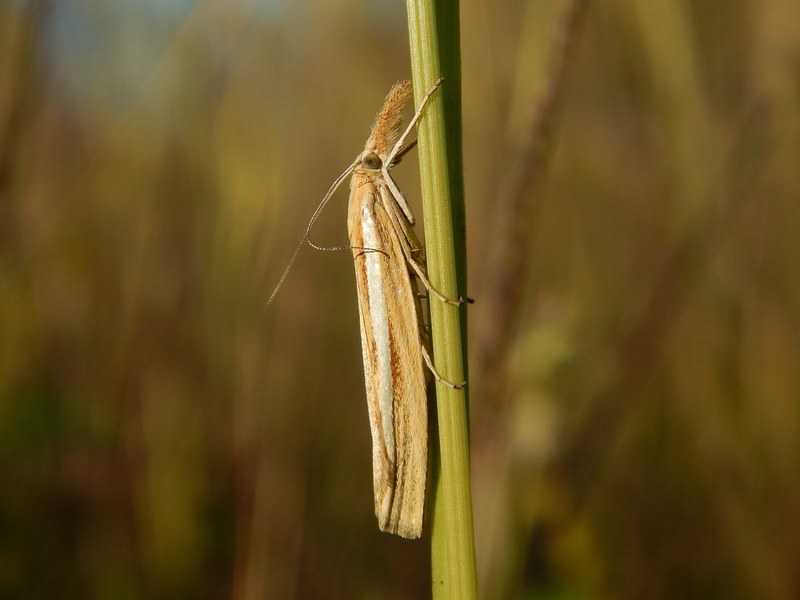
x: 425, y: 343
x: 410, y: 246
x: 419, y: 270
x: 437, y: 375
x: 390, y: 158
x: 406, y: 225
x: 397, y: 194
x: 417, y: 115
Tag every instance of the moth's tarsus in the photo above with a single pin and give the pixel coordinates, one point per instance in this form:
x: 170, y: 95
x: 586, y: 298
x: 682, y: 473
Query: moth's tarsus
x: 461, y: 300
x: 455, y: 386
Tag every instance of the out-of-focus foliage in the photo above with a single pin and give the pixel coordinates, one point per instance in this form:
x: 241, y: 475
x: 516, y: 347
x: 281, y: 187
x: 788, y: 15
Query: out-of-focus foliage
x: 163, y: 435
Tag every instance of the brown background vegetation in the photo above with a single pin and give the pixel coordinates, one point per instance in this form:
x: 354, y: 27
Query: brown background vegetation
x: 636, y: 419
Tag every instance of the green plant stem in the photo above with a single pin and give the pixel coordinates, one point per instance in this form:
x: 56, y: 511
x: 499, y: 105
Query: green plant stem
x: 435, y: 53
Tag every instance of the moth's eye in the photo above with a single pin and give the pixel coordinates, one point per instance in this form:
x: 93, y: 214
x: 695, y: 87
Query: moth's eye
x: 372, y: 161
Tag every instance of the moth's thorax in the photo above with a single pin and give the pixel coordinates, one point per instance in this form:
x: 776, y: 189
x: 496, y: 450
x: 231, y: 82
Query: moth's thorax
x: 362, y: 176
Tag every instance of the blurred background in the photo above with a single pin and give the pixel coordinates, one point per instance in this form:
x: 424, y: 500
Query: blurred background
x: 634, y: 344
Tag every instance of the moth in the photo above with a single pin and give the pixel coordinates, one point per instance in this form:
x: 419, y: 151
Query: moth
x: 390, y: 277
x: 390, y: 265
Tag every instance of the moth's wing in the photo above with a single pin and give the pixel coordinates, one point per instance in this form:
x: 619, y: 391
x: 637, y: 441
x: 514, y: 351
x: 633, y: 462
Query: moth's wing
x: 393, y: 364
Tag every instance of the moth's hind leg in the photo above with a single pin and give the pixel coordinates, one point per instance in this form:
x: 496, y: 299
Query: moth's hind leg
x: 425, y: 343
x: 437, y: 375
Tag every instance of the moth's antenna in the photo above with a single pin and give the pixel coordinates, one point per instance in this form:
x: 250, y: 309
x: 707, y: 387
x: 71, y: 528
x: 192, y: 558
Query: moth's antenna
x: 306, y: 237
x: 322, y: 204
